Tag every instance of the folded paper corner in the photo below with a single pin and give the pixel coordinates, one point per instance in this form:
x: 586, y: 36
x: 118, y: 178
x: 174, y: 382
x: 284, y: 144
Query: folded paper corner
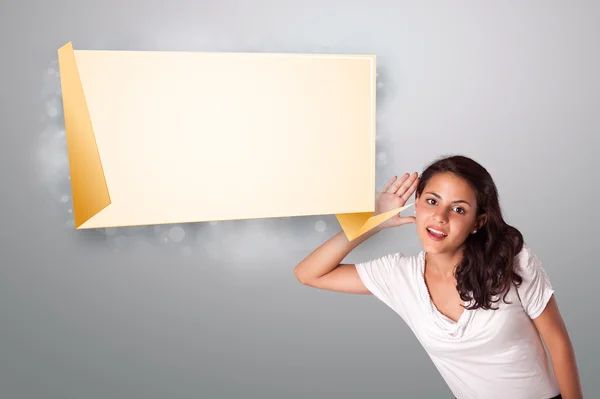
x: 68, y: 46
x: 351, y: 223
x: 88, y: 184
x: 355, y: 225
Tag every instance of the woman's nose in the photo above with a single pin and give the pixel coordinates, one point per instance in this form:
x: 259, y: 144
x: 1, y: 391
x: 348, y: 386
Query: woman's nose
x: 440, y: 217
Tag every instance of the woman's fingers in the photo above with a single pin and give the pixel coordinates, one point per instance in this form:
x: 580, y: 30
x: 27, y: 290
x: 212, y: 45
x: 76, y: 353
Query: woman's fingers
x: 413, y: 186
x: 407, y: 185
x: 407, y: 220
x: 388, y: 184
x: 403, y: 187
x: 394, y: 189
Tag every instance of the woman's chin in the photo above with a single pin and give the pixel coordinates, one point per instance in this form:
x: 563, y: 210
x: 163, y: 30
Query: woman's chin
x: 436, y: 247
x: 433, y: 249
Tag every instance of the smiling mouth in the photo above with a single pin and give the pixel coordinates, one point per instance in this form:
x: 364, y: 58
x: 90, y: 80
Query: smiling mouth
x: 436, y: 233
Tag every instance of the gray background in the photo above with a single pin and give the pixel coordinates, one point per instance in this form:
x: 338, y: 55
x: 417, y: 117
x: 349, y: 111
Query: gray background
x: 214, y: 310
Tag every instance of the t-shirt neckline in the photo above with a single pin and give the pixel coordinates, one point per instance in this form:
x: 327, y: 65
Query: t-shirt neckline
x: 453, y: 329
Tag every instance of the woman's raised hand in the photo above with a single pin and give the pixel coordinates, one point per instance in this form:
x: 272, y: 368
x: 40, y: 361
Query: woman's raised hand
x: 394, y: 195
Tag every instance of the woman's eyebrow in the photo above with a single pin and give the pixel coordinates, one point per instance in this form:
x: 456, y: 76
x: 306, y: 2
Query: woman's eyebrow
x: 454, y: 202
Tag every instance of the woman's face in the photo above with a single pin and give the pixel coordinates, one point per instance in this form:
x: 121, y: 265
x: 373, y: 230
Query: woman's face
x: 446, y: 213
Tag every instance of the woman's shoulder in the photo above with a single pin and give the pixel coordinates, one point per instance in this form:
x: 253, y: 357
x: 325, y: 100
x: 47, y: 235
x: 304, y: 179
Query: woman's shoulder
x: 526, y: 260
x: 397, y: 261
x: 535, y: 288
x: 408, y: 264
x: 405, y: 259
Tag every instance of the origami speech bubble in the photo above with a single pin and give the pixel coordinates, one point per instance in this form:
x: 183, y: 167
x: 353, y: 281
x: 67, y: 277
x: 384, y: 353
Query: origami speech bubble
x: 159, y: 137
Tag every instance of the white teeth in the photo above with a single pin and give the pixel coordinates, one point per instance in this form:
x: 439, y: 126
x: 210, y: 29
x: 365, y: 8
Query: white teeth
x: 436, y: 232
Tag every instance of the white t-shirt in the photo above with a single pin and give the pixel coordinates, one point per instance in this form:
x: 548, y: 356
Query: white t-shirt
x: 487, y: 354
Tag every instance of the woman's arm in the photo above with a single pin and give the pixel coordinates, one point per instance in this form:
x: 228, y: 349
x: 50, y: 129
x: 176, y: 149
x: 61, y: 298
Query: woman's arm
x: 553, y: 331
x: 322, y: 268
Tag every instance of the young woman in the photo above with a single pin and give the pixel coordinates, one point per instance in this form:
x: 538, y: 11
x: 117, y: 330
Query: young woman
x: 476, y: 297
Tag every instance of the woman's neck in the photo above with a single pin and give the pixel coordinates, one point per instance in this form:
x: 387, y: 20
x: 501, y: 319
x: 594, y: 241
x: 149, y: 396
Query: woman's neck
x: 443, y: 264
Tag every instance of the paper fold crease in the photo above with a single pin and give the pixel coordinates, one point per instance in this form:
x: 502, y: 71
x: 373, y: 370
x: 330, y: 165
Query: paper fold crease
x: 88, y: 185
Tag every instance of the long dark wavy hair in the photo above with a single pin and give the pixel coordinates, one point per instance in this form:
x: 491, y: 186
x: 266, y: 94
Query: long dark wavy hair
x: 486, y: 270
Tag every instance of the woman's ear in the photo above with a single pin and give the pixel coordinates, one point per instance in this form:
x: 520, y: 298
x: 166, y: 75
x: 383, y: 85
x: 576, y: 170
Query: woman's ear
x: 481, y: 221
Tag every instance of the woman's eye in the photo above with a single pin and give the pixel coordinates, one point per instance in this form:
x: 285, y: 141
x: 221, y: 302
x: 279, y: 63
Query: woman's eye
x: 430, y: 201
x: 460, y: 210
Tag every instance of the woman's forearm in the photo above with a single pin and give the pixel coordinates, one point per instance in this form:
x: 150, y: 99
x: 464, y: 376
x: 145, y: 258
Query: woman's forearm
x: 328, y: 256
x: 565, y: 369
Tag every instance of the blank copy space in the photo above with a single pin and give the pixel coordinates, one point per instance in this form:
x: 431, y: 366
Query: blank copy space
x: 188, y: 137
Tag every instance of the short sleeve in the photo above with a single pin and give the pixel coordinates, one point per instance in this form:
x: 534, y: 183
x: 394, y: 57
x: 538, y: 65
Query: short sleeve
x: 536, y: 289
x: 380, y: 277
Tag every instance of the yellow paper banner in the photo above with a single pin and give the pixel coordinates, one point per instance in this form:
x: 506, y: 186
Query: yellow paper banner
x: 159, y: 137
